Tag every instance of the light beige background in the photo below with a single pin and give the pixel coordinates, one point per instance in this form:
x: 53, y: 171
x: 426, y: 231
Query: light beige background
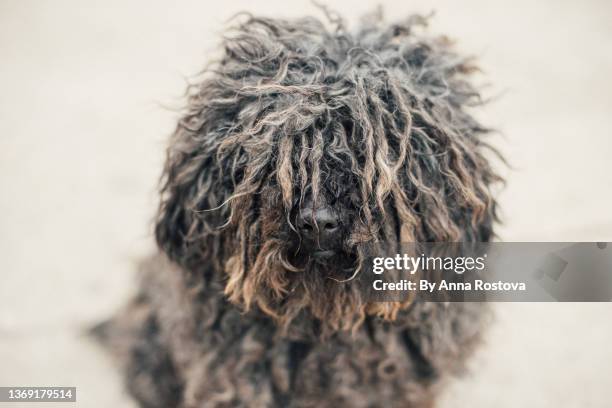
x: 83, y: 87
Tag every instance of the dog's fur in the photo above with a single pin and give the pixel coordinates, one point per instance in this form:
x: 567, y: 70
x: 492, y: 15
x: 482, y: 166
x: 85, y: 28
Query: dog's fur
x: 374, y: 124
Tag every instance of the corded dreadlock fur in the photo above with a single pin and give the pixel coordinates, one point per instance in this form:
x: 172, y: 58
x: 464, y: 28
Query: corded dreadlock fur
x: 376, y: 124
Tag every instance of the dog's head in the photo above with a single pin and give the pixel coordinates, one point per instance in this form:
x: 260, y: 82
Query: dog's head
x: 302, y: 145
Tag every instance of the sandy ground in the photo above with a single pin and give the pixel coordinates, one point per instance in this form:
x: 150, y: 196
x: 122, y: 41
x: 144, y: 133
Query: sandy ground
x: 83, y: 91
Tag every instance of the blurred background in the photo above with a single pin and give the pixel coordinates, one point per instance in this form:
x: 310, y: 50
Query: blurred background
x: 84, y: 94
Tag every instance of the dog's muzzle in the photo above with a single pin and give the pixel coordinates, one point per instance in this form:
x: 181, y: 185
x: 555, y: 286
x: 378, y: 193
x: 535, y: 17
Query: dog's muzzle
x: 320, y: 229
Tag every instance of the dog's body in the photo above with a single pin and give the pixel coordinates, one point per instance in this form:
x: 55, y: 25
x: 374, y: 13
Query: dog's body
x: 299, y: 148
x: 186, y: 346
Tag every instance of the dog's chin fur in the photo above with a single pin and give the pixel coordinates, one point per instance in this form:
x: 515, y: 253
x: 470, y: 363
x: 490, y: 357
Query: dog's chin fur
x: 289, y: 288
x: 233, y: 312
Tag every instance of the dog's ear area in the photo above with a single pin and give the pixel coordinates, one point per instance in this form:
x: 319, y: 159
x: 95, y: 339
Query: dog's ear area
x: 193, y: 190
x: 174, y: 218
x: 171, y: 227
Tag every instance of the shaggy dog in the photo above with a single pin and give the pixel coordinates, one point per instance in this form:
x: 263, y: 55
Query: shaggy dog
x: 300, y: 146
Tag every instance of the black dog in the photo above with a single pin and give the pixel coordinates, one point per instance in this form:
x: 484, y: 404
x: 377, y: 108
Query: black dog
x: 298, y: 148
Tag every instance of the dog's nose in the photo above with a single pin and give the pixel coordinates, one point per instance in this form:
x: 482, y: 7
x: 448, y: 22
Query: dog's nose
x: 319, y: 228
